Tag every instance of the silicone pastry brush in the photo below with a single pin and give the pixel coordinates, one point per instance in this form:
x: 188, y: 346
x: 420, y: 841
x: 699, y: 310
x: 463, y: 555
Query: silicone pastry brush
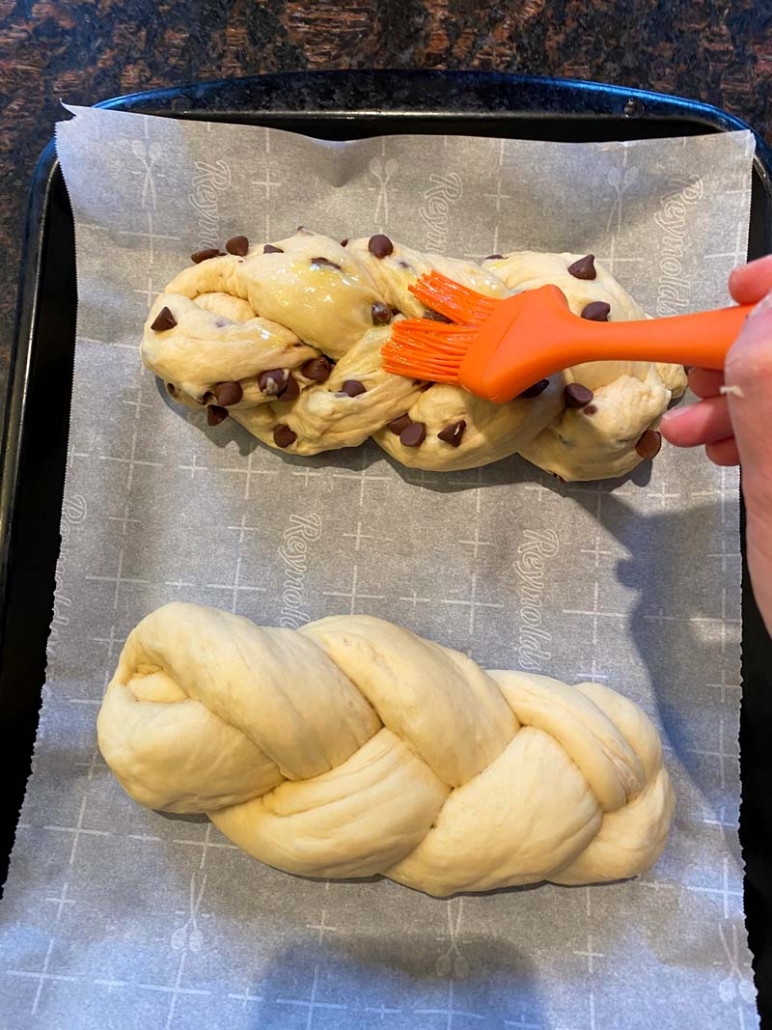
x: 499, y: 348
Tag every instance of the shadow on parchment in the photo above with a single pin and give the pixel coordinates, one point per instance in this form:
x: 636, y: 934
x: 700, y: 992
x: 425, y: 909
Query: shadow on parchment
x: 367, y: 981
x: 669, y: 623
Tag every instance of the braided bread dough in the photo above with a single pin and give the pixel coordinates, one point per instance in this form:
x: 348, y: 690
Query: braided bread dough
x: 233, y: 317
x: 352, y: 748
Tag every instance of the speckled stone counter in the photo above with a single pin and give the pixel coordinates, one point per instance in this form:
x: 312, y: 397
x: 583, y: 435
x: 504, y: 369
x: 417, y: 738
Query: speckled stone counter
x: 55, y: 50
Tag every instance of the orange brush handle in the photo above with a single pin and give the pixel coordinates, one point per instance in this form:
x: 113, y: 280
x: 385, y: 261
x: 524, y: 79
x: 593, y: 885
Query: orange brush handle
x: 526, y: 340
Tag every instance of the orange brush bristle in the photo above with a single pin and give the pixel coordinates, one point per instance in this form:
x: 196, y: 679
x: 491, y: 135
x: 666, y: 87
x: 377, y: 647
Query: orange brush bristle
x: 460, y: 304
x: 425, y: 349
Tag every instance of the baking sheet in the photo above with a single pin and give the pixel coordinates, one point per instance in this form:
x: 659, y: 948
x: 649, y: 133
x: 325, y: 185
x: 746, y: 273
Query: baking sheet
x: 119, y: 917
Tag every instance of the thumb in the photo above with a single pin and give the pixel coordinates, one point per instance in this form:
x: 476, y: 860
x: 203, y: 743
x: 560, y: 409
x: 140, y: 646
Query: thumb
x: 748, y: 376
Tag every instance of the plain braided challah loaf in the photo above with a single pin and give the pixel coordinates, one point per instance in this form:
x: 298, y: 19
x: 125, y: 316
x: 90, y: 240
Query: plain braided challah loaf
x: 286, y: 338
x: 352, y: 748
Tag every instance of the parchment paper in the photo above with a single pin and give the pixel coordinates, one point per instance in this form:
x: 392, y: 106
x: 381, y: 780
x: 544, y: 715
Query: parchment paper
x: 118, y: 917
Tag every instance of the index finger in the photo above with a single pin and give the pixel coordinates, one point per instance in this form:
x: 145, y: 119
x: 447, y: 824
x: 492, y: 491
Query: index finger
x: 705, y: 382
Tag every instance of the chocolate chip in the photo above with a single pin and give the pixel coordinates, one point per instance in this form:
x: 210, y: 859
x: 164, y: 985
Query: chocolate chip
x: 380, y: 246
x: 273, y: 381
x: 317, y: 369
x: 283, y: 436
x: 435, y: 316
x: 227, y: 394
x: 590, y: 409
x: 403, y: 264
x: 413, y: 435
x: 494, y: 257
x: 238, y: 245
x: 353, y: 388
x: 597, y: 311
x: 453, y: 434
x: 163, y: 320
x: 204, y: 255
x: 536, y: 389
x: 291, y: 391
x: 215, y: 415
x: 649, y: 444
x: 577, y: 396
x: 399, y: 423
x: 171, y: 389
x: 583, y: 267
x: 324, y: 261
x: 270, y: 249
x: 381, y: 313
x: 344, y: 243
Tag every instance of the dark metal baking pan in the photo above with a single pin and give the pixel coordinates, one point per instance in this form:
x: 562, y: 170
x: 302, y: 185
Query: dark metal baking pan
x: 331, y: 105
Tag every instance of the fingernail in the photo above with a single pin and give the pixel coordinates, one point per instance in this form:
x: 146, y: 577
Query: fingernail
x: 675, y: 413
x: 765, y: 304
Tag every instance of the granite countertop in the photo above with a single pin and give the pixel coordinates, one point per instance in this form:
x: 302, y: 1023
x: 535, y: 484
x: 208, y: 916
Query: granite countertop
x: 53, y: 50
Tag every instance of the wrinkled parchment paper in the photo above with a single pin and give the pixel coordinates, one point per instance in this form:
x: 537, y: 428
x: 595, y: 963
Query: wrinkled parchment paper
x: 119, y: 917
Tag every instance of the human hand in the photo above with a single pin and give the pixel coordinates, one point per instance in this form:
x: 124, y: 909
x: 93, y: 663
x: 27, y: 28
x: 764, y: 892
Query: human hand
x: 733, y: 419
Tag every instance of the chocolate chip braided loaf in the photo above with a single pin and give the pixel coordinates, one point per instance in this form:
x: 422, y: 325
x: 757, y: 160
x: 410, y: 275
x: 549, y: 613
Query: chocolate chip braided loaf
x: 353, y: 748
x: 286, y: 338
